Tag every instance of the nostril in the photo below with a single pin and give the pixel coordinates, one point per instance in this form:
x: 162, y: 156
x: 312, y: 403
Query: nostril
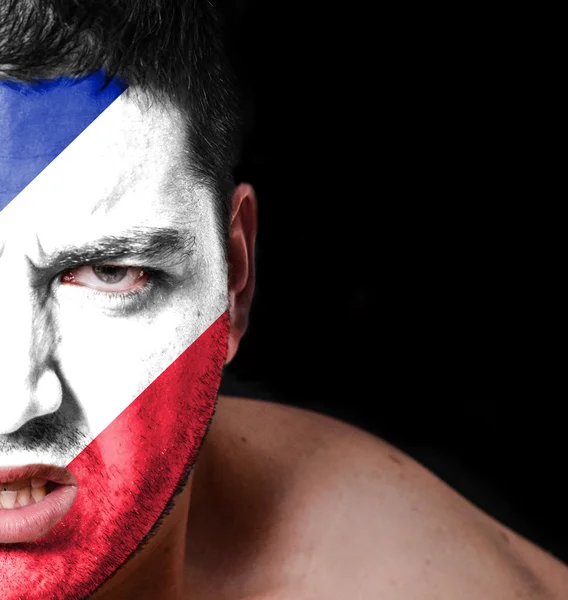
x: 30, y: 401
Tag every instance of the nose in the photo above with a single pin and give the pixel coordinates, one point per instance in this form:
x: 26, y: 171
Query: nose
x: 29, y: 385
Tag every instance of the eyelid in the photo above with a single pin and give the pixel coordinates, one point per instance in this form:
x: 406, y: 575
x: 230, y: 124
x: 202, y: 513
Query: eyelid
x: 70, y: 277
x: 119, y: 301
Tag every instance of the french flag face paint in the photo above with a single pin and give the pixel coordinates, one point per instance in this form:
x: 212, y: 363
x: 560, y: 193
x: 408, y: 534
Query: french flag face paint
x: 113, y: 328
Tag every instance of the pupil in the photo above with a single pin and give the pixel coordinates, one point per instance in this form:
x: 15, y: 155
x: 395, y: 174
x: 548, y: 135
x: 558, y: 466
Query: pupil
x: 110, y: 274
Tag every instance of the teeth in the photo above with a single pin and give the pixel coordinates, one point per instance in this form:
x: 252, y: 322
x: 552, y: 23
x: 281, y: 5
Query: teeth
x: 15, y: 485
x: 34, y: 482
x: 24, y: 496
x: 38, y: 493
x: 22, y: 492
x: 8, y: 498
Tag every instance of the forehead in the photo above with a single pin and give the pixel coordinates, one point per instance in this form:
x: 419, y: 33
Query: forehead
x: 38, y: 121
x: 81, y: 162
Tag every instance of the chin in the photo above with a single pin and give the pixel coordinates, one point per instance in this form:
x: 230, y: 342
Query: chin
x: 126, y: 479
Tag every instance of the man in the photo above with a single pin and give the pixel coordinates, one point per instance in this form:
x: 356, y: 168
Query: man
x: 126, y: 255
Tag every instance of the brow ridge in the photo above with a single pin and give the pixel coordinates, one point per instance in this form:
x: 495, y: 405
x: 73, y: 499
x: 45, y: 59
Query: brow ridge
x: 162, y: 244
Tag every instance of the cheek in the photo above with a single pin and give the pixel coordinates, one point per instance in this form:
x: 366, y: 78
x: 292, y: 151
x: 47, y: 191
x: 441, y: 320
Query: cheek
x: 139, y: 459
x: 107, y: 362
x: 126, y: 477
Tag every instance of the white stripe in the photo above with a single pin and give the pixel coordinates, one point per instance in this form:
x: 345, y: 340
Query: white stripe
x: 107, y: 358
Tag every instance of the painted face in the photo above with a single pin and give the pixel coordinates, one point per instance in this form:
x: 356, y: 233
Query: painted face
x: 113, y: 328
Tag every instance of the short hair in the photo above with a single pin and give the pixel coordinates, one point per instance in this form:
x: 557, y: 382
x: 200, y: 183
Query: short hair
x: 173, y: 49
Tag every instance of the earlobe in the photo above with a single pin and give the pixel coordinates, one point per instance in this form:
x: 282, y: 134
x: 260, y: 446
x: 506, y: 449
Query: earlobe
x: 242, y: 236
x: 232, y: 347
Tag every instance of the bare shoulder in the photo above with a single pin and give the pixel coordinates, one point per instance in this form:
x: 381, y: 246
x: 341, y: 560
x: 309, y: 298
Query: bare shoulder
x: 325, y: 510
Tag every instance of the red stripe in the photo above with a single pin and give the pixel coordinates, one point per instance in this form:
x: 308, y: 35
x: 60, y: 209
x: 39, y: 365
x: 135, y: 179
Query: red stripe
x: 126, y: 477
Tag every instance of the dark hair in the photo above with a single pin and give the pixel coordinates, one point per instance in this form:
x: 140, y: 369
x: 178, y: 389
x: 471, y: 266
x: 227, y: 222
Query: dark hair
x: 171, y: 48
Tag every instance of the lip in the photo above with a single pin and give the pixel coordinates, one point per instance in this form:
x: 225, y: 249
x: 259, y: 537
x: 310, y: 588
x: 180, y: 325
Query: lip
x: 27, y: 523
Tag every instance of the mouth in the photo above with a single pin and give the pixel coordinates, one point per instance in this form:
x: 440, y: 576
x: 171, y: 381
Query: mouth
x: 33, y: 500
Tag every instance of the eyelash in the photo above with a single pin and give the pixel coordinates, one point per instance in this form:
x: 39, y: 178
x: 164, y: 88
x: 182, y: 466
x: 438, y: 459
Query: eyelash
x: 133, y: 300
x: 126, y: 299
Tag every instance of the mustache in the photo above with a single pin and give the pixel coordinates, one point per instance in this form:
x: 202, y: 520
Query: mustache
x: 49, y: 432
x: 60, y: 432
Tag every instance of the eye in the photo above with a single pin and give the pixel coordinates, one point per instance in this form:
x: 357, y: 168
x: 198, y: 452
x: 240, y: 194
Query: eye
x: 107, y: 278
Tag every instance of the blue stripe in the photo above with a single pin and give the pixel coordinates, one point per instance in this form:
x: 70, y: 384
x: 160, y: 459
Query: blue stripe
x: 39, y: 120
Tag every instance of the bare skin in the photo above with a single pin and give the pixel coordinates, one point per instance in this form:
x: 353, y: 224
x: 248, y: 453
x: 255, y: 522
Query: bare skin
x: 285, y: 503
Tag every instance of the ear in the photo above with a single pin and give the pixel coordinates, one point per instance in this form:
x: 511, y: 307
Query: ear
x: 242, y: 236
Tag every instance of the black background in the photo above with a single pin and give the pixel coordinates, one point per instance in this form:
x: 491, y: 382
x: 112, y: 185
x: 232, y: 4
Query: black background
x: 393, y: 290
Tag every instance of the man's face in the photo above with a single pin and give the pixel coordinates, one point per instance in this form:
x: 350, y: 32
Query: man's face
x: 113, y: 333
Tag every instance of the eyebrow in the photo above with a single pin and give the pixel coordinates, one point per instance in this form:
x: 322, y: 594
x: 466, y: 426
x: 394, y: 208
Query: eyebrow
x: 165, y: 246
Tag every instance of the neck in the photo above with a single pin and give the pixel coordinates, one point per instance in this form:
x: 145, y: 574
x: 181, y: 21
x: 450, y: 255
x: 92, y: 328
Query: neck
x: 157, y: 571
